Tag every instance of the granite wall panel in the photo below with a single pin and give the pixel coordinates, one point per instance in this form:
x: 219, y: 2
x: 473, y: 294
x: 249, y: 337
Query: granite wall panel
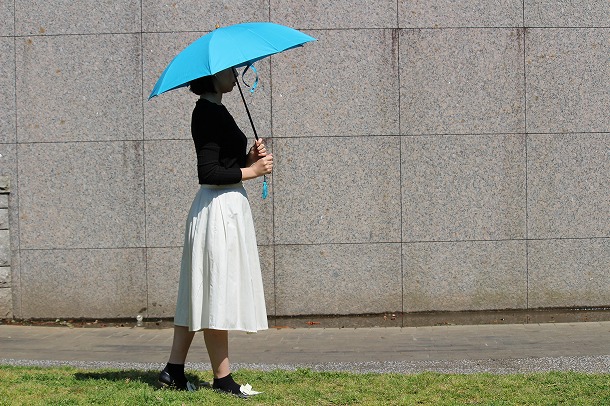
x: 567, y: 13
x: 465, y: 13
x: 568, y: 185
x: 267, y: 259
x: 39, y: 17
x: 163, y: 275
x: 193, y: 15
x: 171, y: 185
x: 344, y: 84
x: 7, y: 90
x: 5, y: 250
x: 6, y: 304
x: 567, y: 80
x: 81, y: 195
x: 7, y: 16
x: 463, y: 187
x: 79, y: 88
x: 471, y: 275
x: 461, y: 81
x: 337, y: 279
x: 569, y: 273
x: 454, y: 145
x: 88, y: 283
x: 8, y: 168
x: 325, y: 192
x: 338, y: 14
x: 167, y: 116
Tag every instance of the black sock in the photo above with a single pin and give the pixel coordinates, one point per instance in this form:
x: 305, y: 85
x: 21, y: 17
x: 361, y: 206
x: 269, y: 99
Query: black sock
x: 227, y: 384
x: 176, y: 371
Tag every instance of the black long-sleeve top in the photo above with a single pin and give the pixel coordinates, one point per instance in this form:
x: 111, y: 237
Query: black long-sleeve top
x: 219, y: 143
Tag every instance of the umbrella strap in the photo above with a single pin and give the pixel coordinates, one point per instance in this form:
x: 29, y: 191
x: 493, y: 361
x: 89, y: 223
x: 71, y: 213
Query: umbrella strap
x: 255, y: 84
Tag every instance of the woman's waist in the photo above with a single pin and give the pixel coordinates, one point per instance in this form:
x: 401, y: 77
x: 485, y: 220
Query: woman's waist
x: 238, y: 185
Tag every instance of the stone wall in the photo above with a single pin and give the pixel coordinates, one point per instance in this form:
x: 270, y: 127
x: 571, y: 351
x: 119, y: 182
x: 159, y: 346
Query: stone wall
x: 6, y: 292
x: 429, y: 155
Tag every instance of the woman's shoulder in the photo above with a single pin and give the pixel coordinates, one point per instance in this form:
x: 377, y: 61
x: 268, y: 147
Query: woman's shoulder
x: 204, y: 105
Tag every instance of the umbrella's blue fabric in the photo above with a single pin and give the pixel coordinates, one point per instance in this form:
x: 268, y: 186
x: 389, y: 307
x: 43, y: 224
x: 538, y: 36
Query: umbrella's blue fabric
x: 233, y: 46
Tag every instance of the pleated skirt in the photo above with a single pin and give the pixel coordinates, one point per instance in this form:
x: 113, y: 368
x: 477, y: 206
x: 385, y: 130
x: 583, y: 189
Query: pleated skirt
x: 220, y: 277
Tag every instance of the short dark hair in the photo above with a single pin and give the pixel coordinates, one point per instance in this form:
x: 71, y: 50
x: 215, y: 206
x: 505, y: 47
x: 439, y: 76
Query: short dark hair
x: 202, y: 85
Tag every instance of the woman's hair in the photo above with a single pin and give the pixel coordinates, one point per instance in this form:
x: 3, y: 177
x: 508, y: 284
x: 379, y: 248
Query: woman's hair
x: 202, y: 85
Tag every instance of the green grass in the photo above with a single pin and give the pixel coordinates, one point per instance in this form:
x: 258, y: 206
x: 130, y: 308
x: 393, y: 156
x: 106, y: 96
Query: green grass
x: 70, y: 386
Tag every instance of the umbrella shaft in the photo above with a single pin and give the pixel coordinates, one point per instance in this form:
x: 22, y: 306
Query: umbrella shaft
x: 246, y: 106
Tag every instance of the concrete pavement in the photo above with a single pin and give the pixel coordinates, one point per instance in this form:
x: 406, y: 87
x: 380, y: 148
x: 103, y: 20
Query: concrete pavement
x: 507, y: 348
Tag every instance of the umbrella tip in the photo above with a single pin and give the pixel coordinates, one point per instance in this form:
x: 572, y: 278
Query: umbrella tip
x: 217, y: 25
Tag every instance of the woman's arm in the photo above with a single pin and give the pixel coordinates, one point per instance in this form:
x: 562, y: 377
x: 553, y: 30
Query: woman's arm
x: 209, y: 169
x: 261, y: 167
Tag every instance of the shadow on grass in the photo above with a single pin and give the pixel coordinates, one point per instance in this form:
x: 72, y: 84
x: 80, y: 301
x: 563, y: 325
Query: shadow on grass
x: 130, y: 375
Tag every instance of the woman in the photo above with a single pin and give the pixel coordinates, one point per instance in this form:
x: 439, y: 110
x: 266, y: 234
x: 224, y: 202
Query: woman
x: 220, y: 280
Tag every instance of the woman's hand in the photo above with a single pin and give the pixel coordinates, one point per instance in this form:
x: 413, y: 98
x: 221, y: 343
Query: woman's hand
x: 262, y: 166
x: 257, y: 151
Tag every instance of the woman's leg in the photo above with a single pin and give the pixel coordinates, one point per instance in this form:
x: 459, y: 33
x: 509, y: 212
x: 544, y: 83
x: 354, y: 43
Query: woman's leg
x: 217, y: 344
x: 181, y: 344
x: 173, y: 373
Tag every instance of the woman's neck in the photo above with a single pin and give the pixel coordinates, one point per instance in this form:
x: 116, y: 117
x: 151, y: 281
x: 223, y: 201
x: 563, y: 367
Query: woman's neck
x: 212, y: 97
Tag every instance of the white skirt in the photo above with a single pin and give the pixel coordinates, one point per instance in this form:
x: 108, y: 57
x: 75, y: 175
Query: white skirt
x: 221, y: 286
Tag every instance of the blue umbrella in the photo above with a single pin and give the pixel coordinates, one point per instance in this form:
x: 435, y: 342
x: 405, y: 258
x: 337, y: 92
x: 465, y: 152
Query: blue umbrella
x: 233, y: 46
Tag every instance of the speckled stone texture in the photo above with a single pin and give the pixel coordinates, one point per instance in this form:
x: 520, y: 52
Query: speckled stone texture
x: 267, y: 258
x: 568, y: 185
x: 8, y: 169
x: 463, y: 187
x: 569, y: 273
x: 171, y: 185
x: 5, y: 250
x: 5, y: 275
x: 39, y: 17
x: 6, y: 303
x: 163, y: 275
x: 344, y: 84
x: 193, y: 15
x: 83, y: 283
x: 84, y: 195
x: 470, y: 136
x: 567, y: 80
x: 326, y: 193
x: 3, y: 214
x: 334, y: 14
x: 9, y: 255
x: 472, y: 275
x: 7, y: 90
x: 464, y: 13
x: 567, y: 13
x: 337, y: 279
x: 79, y: 88
x: 168, y: 116
x: 457, y: 81
x: 7, y: 16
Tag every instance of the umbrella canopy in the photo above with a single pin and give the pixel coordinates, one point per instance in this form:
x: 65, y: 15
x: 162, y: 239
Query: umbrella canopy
x: 232, y: 46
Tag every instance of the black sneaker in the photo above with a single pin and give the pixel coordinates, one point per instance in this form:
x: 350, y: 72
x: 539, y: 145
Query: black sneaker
x: 167, y: 381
